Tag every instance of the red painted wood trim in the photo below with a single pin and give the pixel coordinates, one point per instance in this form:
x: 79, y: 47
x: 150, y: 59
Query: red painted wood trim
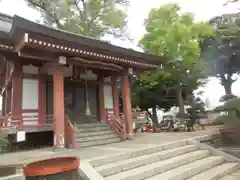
x: 30, y: 76
x: 42, y: 99
x: 30, y: 110
x: 70, y: 134
x: 115, y: 124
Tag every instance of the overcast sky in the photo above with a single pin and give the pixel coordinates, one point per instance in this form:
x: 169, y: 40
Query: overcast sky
x: 203, y: 10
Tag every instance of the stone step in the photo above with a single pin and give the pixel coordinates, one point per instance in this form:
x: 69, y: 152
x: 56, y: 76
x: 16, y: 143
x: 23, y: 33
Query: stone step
x: 91, y: 124
x: 233, y: 176
x: 95, y: 133
x: 127, y: 164
x: 92, y: 129
x: 185, y: 171
x: 97, y: 137
x: 149, y: 170
x: 99, y: 142
x: 136, y: 153
x: 216, y: 172
x: 229, y: 177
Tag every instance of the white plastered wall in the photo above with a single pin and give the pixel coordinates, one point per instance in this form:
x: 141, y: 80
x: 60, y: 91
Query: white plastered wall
x: 108, y: 97
x: 30, y: 95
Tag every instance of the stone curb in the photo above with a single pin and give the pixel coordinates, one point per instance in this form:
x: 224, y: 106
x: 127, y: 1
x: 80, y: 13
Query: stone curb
x: 227, y: 157
x: 88, y: 172
x: 203, y: 138
x: 13, y: 177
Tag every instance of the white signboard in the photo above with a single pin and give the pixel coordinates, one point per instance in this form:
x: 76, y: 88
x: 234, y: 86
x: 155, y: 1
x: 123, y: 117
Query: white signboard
x: 21, y: 136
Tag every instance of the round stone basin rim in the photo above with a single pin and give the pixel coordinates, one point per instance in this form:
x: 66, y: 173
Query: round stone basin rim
x: 51, y: 166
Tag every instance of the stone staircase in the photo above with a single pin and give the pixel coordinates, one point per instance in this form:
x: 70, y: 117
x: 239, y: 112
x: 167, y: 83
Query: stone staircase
x: 181, y: 160
x: 94, y: 133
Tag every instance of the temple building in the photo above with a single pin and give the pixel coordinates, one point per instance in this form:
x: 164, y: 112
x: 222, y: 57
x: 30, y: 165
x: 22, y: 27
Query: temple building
x: 53, y: 81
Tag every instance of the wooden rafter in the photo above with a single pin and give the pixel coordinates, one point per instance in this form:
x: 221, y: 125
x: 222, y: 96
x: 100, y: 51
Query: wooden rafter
x: 6, y: 47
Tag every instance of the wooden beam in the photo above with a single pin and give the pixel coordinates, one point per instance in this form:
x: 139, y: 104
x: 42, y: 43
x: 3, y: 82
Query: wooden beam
x: 99, y: 63
x: 32, y: 53
x: 50, y: 68
x: 89, y: 65
x: 19, y: 45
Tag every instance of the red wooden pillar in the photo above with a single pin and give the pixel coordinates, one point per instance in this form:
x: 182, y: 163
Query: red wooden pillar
x: 115, y: 97
x: 101, y: 99
x: 58, y: 109
x: 42, y: 100
x: 3, y: 103
x: 16, y: 100
x: 127, y: 109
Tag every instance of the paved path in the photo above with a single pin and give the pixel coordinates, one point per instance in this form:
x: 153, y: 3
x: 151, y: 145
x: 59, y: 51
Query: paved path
x: 141, y: 140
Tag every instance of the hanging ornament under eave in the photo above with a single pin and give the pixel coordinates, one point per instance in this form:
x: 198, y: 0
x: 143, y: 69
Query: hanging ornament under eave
x: 130, y: 71
x: 87, y: 110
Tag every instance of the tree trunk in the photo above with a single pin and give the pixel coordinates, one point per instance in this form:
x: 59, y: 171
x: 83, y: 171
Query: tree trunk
x: 153, y: 116
x: 227, y: 87
x: 180, y: 99
x: 226, y: 82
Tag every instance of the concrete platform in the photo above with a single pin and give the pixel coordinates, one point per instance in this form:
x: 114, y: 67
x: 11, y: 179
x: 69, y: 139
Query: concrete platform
x: 141, y: 140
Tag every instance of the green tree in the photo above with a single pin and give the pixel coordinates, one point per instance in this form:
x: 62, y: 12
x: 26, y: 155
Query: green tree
x: 148, y: 96
x: 230, y: 1
x: 94, y: 18
x: 160, y: 95
x: 175, y: 36
x: 221, y: 52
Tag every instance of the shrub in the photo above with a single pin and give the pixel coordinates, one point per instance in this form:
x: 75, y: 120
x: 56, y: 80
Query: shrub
x: 4, y: 143
x: 218, y: 121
